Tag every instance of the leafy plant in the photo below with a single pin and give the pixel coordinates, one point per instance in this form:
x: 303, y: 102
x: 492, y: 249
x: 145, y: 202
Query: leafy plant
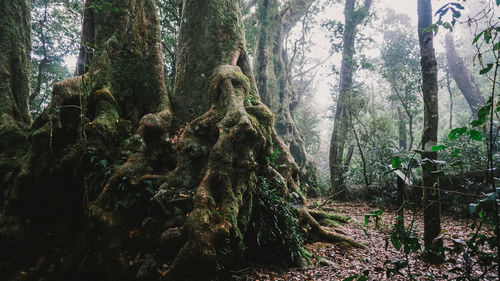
x: 273, y: 227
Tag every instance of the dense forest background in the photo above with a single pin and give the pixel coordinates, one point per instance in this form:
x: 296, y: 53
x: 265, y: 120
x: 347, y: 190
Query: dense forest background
x: 193, y: 140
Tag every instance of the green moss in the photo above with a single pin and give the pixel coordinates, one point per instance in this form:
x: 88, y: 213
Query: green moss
x: 14, y: 143
x: 15, y: 46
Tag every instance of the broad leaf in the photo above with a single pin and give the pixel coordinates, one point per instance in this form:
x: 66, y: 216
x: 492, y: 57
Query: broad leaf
x: 396, y: 162
x: 438, y: 148
x: 486, y: 69
x: 477, y: 37
x: 395, y: 242
x: 457, y: 132
x: 475, y: 135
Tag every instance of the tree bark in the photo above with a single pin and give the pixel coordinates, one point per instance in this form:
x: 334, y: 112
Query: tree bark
x: 15, y: 47
x: 192, y: 79
x: 273, y: 78
x: 402, y: 189
x: 264, y: 49
x: 450, y: 93
x: 114, y: 188
x: 341, y: 121
x: 462, y: 76
x: 431, y: 195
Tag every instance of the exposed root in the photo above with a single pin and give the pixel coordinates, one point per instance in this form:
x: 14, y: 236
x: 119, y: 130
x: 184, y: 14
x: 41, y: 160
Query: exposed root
x: 320, y: 215
x: 318, y: 232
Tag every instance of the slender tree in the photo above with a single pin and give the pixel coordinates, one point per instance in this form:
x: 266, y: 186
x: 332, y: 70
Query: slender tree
x: 353, y: 17
x: 431, y: 196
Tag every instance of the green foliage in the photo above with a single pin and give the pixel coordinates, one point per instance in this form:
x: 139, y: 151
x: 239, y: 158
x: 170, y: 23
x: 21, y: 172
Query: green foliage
x: 97, y: 176
x: 170, y: 12
x: 271, y: 159
x: 401, y: 68
x: 249, y: 99
x: 356, y: 277
x: 55, y: 35
x: 273, y: 228
x: 376, y: 215
x: 99, y: 5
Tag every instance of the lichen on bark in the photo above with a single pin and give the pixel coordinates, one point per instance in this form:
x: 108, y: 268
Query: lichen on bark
x: 129, y: 192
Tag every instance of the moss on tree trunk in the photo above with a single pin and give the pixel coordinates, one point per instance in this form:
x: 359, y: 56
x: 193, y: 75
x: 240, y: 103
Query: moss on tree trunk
x: 15, y: 47
x: 114, y: 188
x: 273, y: 79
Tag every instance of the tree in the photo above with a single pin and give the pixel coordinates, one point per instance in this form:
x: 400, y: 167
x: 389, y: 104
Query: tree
x: 401, y: 69
x: 55, y: 27
x: 462, y: 76
x: 15, y: 46
x: 431, y: 196
x: 274, y: 77
x: 170, y: 20
x: 353, y: 17
x: 139, y: 188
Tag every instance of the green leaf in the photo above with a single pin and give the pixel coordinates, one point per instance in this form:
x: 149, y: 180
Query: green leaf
x: 477, y: 37
x: 475, y: 135
x: 396, y: 162
x: 104, y: 163
x: 419, y: 151
x: 457, y: 132
x: 438, y: 148
x: 350, y: 278
x: 433, y: 27
x: 498, y: 2
x: 367, y: 220
x: 459, y: 6
x: 486, y: 69
x: 484, y: 111
x: 496, y: 47
x: 362, y: 278
x: 395, y: 242
x: 477, y: 123
x: 487, y: 35
x: 456, y: 14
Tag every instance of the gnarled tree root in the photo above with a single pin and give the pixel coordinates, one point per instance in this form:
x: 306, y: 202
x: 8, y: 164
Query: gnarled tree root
x: 317, y: 232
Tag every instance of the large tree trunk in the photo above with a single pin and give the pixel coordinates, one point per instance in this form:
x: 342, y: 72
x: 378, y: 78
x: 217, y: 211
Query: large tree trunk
x: 273, y: 78
x: 341, y: 121
x: 15, y: 47
x: 431, y: 197
x: 113, y: 188
x: 462, y: 76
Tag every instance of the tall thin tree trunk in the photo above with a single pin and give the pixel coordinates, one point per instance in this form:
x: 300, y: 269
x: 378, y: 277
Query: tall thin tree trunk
x: 341, y: 120
x: 400, y: 182
x: 265, y: 17
x: 450, y: 93
x: 462, y: 76
x: 431, y: 195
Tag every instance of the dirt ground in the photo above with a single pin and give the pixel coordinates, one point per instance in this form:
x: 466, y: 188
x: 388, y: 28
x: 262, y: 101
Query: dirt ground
x: 345, y: 262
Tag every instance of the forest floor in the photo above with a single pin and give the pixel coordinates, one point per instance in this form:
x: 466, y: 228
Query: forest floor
x: 346, y: 262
